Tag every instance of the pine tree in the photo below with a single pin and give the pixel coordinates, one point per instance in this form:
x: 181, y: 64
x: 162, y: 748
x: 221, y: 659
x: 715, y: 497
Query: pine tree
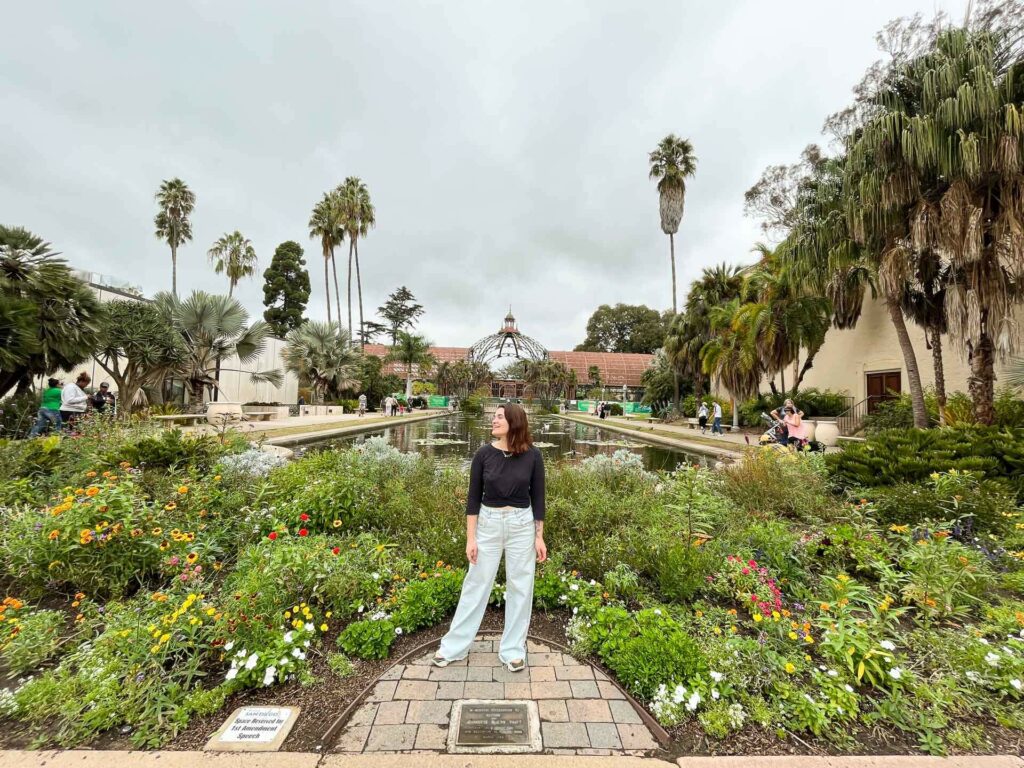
x: 400, y: 311
x: 286, y: 289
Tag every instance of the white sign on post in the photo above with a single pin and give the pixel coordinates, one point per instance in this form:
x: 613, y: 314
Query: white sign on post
x: 255, y: 729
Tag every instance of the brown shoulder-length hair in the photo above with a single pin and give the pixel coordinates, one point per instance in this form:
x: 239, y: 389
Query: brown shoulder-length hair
x: 519, y: 439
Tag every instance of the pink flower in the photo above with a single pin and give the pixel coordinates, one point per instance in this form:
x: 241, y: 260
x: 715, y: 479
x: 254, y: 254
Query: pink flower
x: 752, y: 563
x: 174, y: 560
x: 745, y: 571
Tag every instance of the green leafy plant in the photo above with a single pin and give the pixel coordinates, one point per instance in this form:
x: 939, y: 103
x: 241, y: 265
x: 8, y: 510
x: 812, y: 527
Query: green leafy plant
x: 368, y: 639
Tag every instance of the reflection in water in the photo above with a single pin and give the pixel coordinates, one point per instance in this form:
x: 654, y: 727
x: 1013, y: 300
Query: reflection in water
x: 457, y: 437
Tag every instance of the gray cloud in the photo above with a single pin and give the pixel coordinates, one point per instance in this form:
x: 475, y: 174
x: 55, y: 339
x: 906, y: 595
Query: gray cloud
x: 504, y: 144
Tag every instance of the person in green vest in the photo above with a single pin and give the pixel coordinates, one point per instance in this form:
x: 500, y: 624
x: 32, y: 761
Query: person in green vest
x: 49, y: 410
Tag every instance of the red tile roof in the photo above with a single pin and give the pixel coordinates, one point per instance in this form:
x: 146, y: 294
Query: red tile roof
x: 616, y: 368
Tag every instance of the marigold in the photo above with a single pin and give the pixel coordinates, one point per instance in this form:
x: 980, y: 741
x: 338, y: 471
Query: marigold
x: 79, y: 491
x: 54, y: 534
x: 91, y: 473
x: 92, y: 491
x: 182, y: 489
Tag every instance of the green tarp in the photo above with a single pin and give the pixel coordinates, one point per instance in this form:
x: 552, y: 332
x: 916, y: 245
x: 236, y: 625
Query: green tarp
x: 437, y: 401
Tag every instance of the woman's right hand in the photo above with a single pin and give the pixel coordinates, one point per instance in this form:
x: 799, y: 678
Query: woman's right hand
x: 471, y: 550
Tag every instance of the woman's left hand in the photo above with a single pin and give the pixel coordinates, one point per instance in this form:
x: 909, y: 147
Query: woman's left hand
x: 542, y: 549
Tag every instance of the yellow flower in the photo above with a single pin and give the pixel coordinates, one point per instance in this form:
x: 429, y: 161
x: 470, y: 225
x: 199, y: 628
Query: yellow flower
x: 329, y: 614
x: 336, y: 523
x: 717, y: 630
x: 157, y: 531
x: 182, y: 489
x: 192, y: 557
x: 79, y: 491
x: 700, y: 614
x: 170, y: 506
x: 757, y: 618
x: 808, y: 639
x: 287, y: 614
x: 792, y: 635
x: 93, y: 490
x: 807, y: 657
x: 217, y: 566
x: 165, y: 637
x: 216, y: 478
x: 790, y: 668
x: 54, y: 534
x: 155, y: 649
x: 323, y: 627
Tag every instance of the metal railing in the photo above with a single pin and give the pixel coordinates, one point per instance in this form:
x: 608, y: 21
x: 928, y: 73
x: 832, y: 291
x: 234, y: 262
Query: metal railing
x: 851, y: 421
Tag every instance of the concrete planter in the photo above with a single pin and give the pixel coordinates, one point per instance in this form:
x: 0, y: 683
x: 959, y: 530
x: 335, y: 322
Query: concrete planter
x: 312, y: 410
x: 827, y: 433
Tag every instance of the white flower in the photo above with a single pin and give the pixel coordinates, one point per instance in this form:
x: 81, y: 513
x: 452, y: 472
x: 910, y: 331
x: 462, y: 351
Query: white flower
x: 268, y: 676
x: 839, y: 710
x: 574, y: 587
x: 298, y: 654
x: 657, y: 612
x: 888, y: 645
x: 250, y: 663
x: 375, y: 576
x: 242, y: 653
x: 992, y: 659
x: 679, y: 694
x: 848, y: 688
x: 229, y: 646
x: 563, y: 598
x: 714, y: 694
x: 717, y: 676
x: 575, y: 611
x: 1017, y: 685
x: 308, y: 626
x: 693, y: 701
x: 593, y: 583
x: 232, y: 673
x: 288, y: 636
x: 973, y: 676
x: 398, y: 630
x: 362, y: 608
x: 895, y: 673
x: 983, y: 641
x: 283, y: 662
x: 306, y: 644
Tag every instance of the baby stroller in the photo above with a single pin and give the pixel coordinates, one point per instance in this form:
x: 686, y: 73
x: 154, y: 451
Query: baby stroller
x: 777, y: 434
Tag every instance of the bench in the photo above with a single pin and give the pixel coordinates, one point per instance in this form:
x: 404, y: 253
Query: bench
x: 261, y: 415
x: 188, y: 418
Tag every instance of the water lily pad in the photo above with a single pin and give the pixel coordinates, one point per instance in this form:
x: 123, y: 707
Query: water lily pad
x: 545, y: 445
x: 612, y: 443
x: 439, y: 441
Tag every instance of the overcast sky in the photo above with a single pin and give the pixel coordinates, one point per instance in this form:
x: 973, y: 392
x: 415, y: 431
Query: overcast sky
x: 504, y: 144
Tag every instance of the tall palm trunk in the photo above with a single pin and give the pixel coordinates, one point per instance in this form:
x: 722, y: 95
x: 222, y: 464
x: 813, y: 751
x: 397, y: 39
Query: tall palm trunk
x: 327, y: 285
x: 672, y: 252
x: 231, y: 288
x: 359, y: 286
x: 940, y: 373
x: 351, y: 243
x: 174, y: 270
x: 981, y: 381
x: 675, y: 385
x: 910, y: 360
x: 337, y: 296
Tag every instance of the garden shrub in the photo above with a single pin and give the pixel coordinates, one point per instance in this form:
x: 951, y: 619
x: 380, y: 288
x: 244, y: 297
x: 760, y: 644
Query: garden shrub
x: 171, y: 449
x: 427, y: 601
x: 768, y: 483
x: 899, y: 456
x: 18, y: 414
x: 946, y: 496
x: 815, y: 403
x: 769, y: 542
x: 28, y: 636
x: 683, y: 569
x: 368, y: 639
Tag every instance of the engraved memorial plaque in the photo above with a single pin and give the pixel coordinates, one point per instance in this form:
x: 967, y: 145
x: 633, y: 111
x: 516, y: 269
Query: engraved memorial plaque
x: 255, y: 729
x: 494, y: 726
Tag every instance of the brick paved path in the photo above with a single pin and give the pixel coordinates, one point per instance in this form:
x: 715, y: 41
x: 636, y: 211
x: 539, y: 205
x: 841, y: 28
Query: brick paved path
x: 580, y: 712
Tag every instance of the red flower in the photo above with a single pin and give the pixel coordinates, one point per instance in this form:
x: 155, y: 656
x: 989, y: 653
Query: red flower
x: 303, y: 532
x: 336, y: 550
x: 303, y: 517
x: 752, y: 563
x: 272, y: 535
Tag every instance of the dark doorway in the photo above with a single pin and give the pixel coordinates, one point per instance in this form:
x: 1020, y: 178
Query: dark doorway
x: 882, y: 387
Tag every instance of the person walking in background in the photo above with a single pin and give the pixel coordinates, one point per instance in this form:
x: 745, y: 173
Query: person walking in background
x: 73, y: 400
x: 702, y: 417
x: 49, y: 409
x: 716, y: 425
x: 362, y: 405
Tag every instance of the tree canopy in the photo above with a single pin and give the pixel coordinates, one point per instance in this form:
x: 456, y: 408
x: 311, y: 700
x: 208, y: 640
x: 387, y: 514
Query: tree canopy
x: 286, y: 289
x: 625, y: 328
x: 400, y: 311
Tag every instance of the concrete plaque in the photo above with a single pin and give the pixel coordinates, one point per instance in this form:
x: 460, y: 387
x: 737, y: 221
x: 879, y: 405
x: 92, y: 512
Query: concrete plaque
x: 494, y: 726
x: 254, y: 729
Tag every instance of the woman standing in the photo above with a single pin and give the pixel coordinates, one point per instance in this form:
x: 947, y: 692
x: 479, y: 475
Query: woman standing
x: 504, y: 515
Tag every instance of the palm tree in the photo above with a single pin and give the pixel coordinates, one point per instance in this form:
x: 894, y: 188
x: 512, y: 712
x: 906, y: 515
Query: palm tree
x: 357, y: 216
x: 234, y: 255
x: 671, y: 163
x: 730, y: 355
x: 215, y: 328
x: 937, y: 163
x: 715, y: 286
x: 410, y: 350
x: 324, y: 224
x: 322, y: 353
x: 176, y: 203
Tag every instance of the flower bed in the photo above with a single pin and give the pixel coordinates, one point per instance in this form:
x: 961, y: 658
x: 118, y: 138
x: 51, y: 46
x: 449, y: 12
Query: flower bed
x: 155, y: 580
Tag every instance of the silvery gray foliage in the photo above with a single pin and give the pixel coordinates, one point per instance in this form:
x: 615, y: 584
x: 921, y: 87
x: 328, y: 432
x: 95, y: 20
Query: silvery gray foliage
x: 252, y: 462
x: 377, y: 448
x: 623, y: 460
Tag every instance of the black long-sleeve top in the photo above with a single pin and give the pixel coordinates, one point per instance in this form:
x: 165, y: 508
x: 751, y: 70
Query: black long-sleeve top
x: 497, y: 480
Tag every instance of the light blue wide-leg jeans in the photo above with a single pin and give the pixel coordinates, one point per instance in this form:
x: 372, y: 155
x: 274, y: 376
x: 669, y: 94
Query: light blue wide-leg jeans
x: 498, y: 531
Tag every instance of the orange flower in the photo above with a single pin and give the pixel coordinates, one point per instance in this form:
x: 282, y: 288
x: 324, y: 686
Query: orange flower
x: 54, y: 534
x: 182, y: 489
x: 93, y: 490
x: 90, y: 473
